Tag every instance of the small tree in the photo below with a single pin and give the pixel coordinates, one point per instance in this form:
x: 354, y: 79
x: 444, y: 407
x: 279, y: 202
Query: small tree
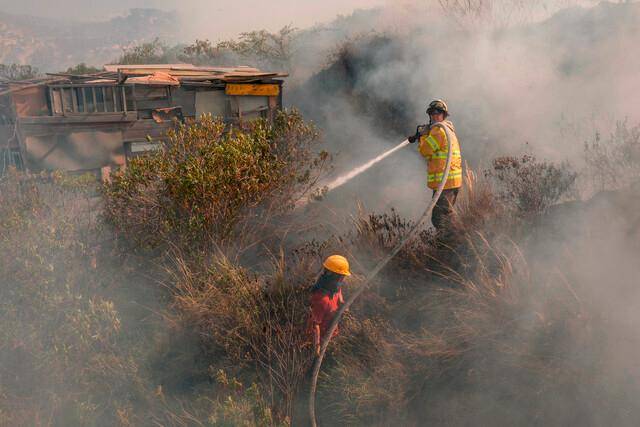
x: 274, y: 49
x: 153, y: 52
x: 203, y: 52
x: 82, y: 68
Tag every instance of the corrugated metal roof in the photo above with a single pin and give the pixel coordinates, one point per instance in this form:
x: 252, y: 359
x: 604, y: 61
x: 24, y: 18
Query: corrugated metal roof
x: 193, y: 73
x: 118, y: 73
x: 113, y: 68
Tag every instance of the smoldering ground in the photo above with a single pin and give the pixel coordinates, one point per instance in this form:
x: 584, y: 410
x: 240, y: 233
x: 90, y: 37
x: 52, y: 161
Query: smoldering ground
x: 532, y: 324
x: 544, y: 88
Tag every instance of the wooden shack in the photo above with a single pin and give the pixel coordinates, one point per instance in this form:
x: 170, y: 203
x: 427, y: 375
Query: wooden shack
x: 89, y: 122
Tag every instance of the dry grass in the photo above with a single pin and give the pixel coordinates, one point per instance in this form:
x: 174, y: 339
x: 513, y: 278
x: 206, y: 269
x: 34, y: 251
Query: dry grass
x: 255, y: 325
x: 480, y: 329
x: 470, y: 330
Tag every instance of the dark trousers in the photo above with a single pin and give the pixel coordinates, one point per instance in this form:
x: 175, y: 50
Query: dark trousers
x: 443, y: 208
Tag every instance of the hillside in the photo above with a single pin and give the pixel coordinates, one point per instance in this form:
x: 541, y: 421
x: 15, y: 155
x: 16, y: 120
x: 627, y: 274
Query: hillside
x: 180, y: 291
x: 52, y: 45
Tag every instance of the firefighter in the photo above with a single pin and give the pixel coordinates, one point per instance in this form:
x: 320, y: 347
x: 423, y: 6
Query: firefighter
x: 433, y: 145
x: 326, y: 297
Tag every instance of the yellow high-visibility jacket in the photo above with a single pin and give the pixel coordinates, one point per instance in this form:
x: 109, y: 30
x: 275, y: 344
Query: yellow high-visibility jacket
x: 433, y: 146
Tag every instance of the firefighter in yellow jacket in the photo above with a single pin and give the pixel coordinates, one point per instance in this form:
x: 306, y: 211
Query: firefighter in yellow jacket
x: 434, y: 146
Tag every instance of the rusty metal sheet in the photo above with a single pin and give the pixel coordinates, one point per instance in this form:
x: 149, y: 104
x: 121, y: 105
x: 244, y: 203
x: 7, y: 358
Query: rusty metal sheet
x: 156, y: 79
x: 31, y: 102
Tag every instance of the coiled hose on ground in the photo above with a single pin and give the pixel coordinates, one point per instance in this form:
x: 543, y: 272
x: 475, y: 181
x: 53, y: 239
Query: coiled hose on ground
x: 373, y: 273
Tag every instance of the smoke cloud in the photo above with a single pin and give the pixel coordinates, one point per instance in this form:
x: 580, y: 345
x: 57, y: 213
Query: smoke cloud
x: 544, y: 86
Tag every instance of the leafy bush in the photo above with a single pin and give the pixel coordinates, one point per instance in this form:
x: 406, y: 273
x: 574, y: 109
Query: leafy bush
x: 18, y: 72
x: 213, y: 184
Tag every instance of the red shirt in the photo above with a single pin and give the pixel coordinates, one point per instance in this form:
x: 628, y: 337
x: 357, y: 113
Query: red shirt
x: 323, y: 308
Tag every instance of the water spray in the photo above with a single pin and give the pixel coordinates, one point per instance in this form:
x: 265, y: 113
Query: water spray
x: 373, y: 273
x: 343, y: 179
x: 357, y: 171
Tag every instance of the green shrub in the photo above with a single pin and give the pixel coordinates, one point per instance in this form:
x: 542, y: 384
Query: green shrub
x: 210, y: 182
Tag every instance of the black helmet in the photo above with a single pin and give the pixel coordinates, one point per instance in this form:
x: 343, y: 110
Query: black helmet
x: 438, y: 105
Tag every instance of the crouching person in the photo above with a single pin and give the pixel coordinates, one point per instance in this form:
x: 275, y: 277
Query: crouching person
x: 326, y: 297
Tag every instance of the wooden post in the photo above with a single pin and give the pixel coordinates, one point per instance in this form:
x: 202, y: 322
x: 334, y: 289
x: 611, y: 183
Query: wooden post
x: 52, y: 101
x: 104, y: 100
x: 115, y: 99
x: 62, y: 100
x: 124, y: 100
x: 95, y: 100
x: 84, y: 100
x: 74, y: 100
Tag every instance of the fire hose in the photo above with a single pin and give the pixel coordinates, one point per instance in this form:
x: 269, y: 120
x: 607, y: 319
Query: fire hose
x: 372, y: 274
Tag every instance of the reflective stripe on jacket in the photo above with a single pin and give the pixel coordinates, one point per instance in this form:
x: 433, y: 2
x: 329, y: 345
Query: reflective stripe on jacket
x: 433, y: 146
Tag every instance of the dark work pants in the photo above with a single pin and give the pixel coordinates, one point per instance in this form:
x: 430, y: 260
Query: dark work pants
x: 443, y: 208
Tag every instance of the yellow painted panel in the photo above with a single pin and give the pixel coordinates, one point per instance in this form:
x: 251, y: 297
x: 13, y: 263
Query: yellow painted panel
x: 242, y: 89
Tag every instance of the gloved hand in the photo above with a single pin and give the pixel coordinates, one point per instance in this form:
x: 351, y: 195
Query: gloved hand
x: 420, y: 130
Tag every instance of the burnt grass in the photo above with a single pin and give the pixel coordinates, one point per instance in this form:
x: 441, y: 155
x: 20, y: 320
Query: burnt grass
x: 523, y: 314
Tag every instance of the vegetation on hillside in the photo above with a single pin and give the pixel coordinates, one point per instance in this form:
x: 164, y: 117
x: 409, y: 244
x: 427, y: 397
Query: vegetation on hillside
x: 17, y: 72
x: 98, y: 330
x: 216, y: 184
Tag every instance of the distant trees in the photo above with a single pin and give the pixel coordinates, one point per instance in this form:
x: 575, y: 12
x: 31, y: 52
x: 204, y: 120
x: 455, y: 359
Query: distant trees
x: 83, y: 68
x: 260, y: 48
x: 153, y: 52
x: 17, y: 72
x: 495, y: 13
x: 272, y: 48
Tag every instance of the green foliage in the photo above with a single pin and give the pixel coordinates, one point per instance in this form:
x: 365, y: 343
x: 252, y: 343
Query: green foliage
x: 242, y: 406
x: 260, y: 48
x: 203, y: 52
x: 210, y: 180
x: 18, y: 72
x: 83, y: 68
x: 266, y: 47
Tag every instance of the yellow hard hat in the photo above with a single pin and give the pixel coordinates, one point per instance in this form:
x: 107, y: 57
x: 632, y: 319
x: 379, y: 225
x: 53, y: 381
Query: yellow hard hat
x: 337, y: 264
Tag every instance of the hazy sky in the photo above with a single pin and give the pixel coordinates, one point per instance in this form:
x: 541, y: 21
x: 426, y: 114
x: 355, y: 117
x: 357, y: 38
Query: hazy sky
x: 209, y: 17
